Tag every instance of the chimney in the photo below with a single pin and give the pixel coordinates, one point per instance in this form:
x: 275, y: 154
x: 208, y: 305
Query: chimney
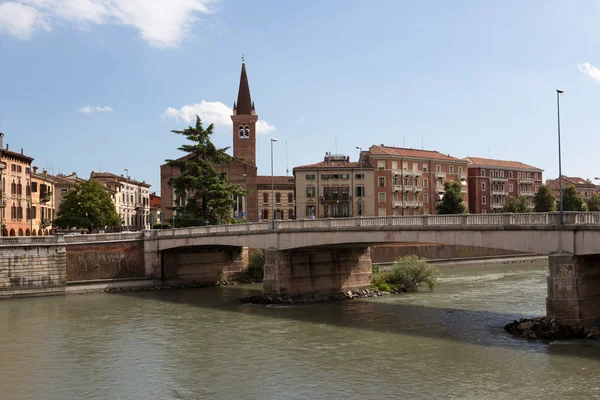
x: 35, y: 170
x: 21, y: 150
x: 45, y: 172
x: 1, y: 136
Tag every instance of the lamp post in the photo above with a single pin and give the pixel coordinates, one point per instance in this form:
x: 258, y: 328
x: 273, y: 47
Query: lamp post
x: 272, y: 187
x: 127, y: 198
x: 245, y: 198
x: 1, y: 197
x: 560, y: 210
x: 362, y: 190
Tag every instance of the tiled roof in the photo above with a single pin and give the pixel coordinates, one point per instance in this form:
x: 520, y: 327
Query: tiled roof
x: 575, y: 180
x: 279, y: 180
x: 16, y: 155
x: 488, y: 162
x: 334, y: 164
x: 118, y: 178
x: 63, y: 180
x: 381, y: 150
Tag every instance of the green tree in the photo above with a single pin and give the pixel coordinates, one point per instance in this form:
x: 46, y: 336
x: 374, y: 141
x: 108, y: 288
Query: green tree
x: 452, y: 201
x: 407, y: 274
x: 203, y: 192
x: 544, y: 200
x: 516, y: 205
x: 593, y: 204
x: 87, y: 205
x: 572, y: 201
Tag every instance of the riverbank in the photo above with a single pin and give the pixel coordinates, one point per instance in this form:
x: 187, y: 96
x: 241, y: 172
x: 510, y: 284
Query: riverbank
x: 544, y: 328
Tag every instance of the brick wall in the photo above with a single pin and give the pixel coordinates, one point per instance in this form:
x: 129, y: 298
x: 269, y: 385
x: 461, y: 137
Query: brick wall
x: 91, y: 261
x: 388, y: 253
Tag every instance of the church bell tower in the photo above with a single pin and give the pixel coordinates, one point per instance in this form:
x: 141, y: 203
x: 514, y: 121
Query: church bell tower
x: 244, y: 122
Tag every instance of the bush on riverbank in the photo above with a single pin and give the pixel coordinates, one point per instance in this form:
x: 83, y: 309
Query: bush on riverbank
x: 256, y: 265
x: 407, y: 275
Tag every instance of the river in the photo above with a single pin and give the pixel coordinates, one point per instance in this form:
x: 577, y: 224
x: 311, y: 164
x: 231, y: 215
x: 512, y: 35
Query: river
x: 201, y: 344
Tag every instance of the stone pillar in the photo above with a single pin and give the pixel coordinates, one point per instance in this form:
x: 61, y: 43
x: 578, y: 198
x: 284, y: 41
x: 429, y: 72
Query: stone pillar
x: 574, y: 289
x: 307, y: 271
x: 152, y: 264
x: 238, y: 265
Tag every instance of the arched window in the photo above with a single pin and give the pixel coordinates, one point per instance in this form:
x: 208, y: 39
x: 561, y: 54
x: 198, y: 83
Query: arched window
x: 241, y: 130
x: 28, y: 214
x: 265, y: 214
x: 19, y: 188
x: 290, y: 198
x: 13, y: 187
x: 247, y: 131
x: 13, y: 212
x: 290, y: 214
x: 265, y: 197
x: 278, y: 198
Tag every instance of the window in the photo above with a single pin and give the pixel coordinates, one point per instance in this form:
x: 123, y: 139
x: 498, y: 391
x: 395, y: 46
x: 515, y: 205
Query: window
x: 510, y: 187
x: 404, y: 165
x: 381, y: 197
x: 491, y: 173
x: 345, y: 176
x: 381, y: 181
x: 394, y: 164
x: 460, y: 170
x: 325, y: 176
x: 535, y: 188
x: 518, y: 174
x: 277, y: 198
x: 424, y: 167
x: 510, y: 175
x: 27, y: 171
x: 484, y: 211
x: 33, y: 212
x: 310, y: 210
x: 438, y: 168
x: 265, y: 197
x: 64, y: 191
x: 380, y: 164
x: 381, y: 212
x: 425, y: 182
x: 451, y: 169
x: 425, y: 198
x: 483, y: 172
x: 310, y: 191
x: 536, y: 176
x: 360, y: 191
x: 310, y: 177
x: 265, y: 214
x: 359, y: 176
x: 360, y: 208
x: 290, y: 214
x: 290, y: 198
x: 483, y: 200
x: 483, y: 186
x: 19, y: 168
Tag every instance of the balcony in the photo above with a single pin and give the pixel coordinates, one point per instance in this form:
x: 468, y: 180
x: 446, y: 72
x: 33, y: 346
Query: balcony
x: 407, y: 204
x: 526, y: 193
x: 45, y: 223
x: 440, y: 175
x: 463, y: 190
x: 409, y: 188
x: 440, y: 189
x: 334, y: 199
x: 525, y: 180
x: 496, y: 206
x: 407, y: 172
x: 499, y: 192
x: 462, y: 177
x: 45, y: 196
x: 498, y: 179
x: 417, y: 188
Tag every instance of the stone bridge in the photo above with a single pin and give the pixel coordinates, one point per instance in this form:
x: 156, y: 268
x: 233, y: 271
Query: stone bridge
x: 325, y: 255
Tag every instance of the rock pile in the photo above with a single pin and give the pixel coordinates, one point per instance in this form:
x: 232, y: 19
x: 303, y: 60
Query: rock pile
x: 548, y: 329
x: 266, y: 298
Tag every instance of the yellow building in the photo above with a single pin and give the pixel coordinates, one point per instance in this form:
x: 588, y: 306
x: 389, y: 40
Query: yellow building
x: 42, y: 202
x: 277, y: 198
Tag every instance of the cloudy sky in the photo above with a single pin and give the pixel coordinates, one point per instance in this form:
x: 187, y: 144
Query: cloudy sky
x: 98, y: 84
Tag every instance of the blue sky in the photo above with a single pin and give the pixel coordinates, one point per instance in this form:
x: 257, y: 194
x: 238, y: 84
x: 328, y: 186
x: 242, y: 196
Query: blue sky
x: 98, y: 84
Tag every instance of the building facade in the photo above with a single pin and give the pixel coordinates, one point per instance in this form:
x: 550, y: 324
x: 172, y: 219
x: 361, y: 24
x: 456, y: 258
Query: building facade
x: 492, y: 181
x: 62, y: 185
x: 16, y: 192
x: 410, y: 181
x: 334, y: 188
x: 131, y: 199
x: 275, y: 196
x: 242, y: 171
x: 585, y: 187
x: 155, y: 210
x: 42, y: 202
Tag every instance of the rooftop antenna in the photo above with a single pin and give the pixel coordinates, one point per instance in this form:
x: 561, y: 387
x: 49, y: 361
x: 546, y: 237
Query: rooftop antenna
x: 422, y: 144
x: 335, y: 141
x: 287, y: 171
x: 403, y: 141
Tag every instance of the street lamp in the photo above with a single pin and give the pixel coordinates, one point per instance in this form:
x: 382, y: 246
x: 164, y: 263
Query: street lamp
x: 560, y: 215
x: 362, y: 182
x: 245, y: 198
x: 272, y: 187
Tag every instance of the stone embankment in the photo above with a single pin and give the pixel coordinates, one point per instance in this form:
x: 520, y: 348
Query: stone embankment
x: 266, y: 298
x: 548, y: 329
x: 171, y: 286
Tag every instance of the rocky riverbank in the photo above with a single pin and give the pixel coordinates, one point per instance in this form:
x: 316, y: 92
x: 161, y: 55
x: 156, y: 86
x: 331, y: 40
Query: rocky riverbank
x: 266, y: 298
x: 172, y: 286
x: 548, y: 329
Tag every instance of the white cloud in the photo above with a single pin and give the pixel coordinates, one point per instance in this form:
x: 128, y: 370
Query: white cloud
x: 590, y: 70
x: 89, y: 109
x: 211, y: 113
x: 161, y: 23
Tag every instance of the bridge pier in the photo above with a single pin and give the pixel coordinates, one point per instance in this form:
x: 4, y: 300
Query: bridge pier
x: 574, y: 289
x: 323, y: 270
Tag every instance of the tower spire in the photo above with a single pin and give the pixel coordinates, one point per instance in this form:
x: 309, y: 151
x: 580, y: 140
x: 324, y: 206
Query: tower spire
x: 244, y: 105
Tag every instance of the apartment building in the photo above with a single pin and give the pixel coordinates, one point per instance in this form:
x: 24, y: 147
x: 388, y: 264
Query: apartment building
x: 156, y: 216
x: 585, y: 187
x: 131, y: 198
x: 277, y: 198
x: 334, y: 188
x: 42, y: 202
x: 492, y: 181
x: 62, y: 185
x: 411, y: 181
x: 15, y: 200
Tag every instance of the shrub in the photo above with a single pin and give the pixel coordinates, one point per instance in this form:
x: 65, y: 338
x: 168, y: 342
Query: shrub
x: 407, y: 274
x: 161, y: 225
x: 256, y: 265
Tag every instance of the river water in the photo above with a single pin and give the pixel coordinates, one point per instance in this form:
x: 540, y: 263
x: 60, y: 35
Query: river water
x: 201, y: 344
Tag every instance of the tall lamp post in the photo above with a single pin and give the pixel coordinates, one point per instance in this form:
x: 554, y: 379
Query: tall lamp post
x: 272, y: 187
x: 362, y: 189
x: 245, y: 198
x: 560, y: 189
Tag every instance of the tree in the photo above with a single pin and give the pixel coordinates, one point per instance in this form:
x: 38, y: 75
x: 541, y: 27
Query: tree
x: 452, y: 201
x: 407, y: 274
x: 516, y: 205
x: 593, y: 204
x: 203, y: 192
x: 572, y: 201
x: 87, y: 205
x: 544, y: 200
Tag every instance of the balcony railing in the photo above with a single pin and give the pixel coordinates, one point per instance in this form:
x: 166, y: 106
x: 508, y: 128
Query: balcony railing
x: 407, y: 204
x: 525, y: 180
x: 440, y: 189
x: 333, y: 198
x: 463, y: 190
x: 462, y: 176
x: 407, y: 172
x: 408, y: 188
x: 496, y: 206
x: 45, y: 196
x: 417, y: 188
x: 45, y: 223
x: 498, y: 179
x: 526, y: 193
x: 440, y: 175
x: 499, y: 192
x: 396, y: 188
